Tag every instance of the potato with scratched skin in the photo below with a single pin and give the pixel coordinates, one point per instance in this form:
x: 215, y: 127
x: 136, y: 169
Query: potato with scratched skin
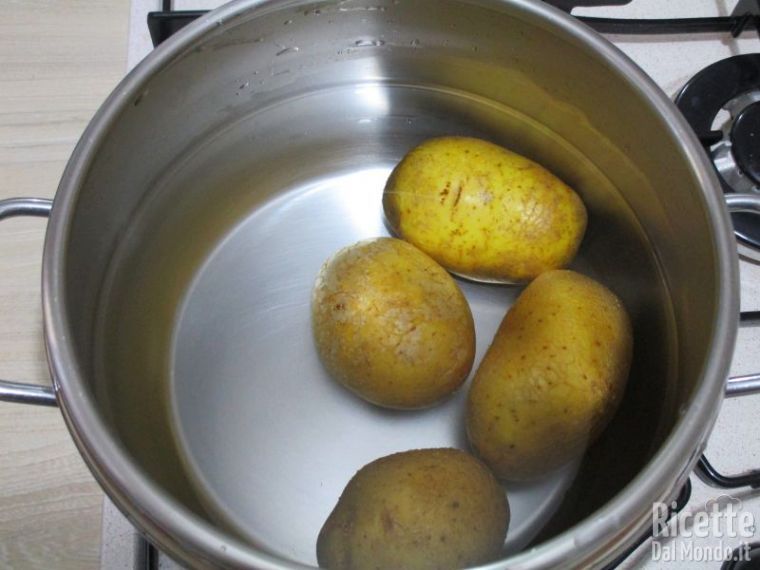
x: 552, y: 377
x: 483, y: 211
x: 433, y: 509
x: 391, y: 325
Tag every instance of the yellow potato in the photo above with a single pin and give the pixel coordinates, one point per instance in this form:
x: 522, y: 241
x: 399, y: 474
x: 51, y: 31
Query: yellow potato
x: 482, y: 211
x: 392, y: 325
x: 424, y: 509
x: 552, y: 378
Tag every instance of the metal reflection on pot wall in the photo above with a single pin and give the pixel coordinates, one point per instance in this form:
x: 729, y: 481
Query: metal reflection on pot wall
x: 374, y: 97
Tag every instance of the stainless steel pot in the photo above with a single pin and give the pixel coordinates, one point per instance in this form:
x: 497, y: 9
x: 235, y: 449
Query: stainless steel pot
x: 207, y: 190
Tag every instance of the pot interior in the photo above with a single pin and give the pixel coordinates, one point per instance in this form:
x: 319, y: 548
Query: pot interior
x: 227, y: 180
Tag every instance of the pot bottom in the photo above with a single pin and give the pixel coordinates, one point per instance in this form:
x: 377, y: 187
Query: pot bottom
x: 213, y: 381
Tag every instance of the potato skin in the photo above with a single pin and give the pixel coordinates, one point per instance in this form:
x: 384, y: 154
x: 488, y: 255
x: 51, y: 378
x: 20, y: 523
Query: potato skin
x: 391, y: 325
x: 552, y: 378
x: 482, y: 211
x: 416, y: 510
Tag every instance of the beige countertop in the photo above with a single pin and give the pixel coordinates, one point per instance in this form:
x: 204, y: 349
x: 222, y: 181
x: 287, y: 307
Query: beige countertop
x: 58, y: 61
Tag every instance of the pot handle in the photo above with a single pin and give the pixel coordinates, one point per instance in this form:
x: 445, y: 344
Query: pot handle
x: 45, y: 395
x: 17, y: 391
x: 749, y: 384
x: 737, y: 385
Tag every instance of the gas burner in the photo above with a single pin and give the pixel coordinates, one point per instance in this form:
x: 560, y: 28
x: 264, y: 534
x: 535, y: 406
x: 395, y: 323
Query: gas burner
x: 731, y: 85
x: 737, y: 155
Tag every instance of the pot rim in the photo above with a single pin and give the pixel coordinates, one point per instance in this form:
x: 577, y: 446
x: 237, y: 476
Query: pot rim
x: 191, y: 539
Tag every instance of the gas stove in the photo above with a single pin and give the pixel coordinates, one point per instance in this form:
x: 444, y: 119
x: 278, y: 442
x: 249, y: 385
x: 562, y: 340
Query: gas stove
x: 705, y: 54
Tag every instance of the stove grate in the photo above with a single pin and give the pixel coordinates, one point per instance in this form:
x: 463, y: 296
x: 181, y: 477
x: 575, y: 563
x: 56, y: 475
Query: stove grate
x: 746, y: 15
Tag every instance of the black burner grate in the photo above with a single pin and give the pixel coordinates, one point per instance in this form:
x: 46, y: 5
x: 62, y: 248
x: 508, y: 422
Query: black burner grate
x: 744, y: 558
x: 732, y: 84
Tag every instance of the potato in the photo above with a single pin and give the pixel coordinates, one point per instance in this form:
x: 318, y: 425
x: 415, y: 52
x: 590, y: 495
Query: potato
x: 428, y: 508
x: 552, y: 378
x: 392, y: 325
x: 482, y: 211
